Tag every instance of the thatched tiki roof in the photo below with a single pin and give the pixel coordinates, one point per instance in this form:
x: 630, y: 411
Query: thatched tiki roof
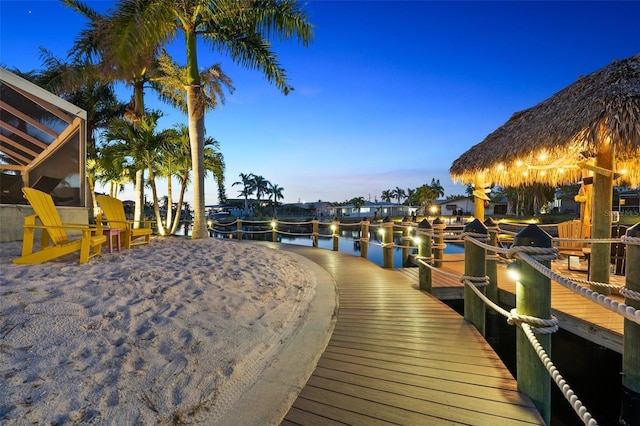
x: 552, y: 141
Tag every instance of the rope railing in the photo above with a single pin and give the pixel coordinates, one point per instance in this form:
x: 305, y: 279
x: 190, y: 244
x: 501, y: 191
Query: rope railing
x: 533, y: 256
x: 527, y: 323
x: 562, y: 384
x: 570, y: 283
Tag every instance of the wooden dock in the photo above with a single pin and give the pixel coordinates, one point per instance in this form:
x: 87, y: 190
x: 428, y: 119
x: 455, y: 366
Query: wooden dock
x: 575, y: 314
x: 400, y: 356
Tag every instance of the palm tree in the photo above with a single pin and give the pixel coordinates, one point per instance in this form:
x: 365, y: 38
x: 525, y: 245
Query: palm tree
x: 398, y: 194
x: 247, y: 188
x: 386, y: 195
x: 275, y: 194
x: 142, y: 144
x: 97, y: 46
x: 410, y: 195
x: 260, y: 186
x: 357, y: 203
x: 175, y: 162
x: 436, y: 187
x: 239, y: 29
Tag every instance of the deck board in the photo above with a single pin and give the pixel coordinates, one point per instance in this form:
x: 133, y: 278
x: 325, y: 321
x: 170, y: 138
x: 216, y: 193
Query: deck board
x: 575, y: 313
x: 399, y: 356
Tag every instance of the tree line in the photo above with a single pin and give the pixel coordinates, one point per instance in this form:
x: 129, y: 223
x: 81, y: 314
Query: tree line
x: 127, y: 44
x: 258, y: 185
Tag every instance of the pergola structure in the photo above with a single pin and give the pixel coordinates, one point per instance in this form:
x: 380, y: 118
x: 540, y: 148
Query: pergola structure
x: 590, y: 129
x: 42, y: 145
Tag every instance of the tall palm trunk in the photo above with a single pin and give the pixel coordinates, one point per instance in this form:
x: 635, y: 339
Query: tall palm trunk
x: 195, y: 110
x: 138, y: 213
x: 169, y: 214
x: 156, y: 206
x: 196, y: 141
x: 183, y: 188
x: 139, y: 205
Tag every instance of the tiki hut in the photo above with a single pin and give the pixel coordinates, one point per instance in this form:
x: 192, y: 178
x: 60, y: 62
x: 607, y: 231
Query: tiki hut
x: 591, y: 127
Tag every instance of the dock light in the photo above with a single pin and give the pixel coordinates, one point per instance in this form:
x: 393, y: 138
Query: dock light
x: 381, y: 231
x: 409, y: 229
x: 333, y: 228
x: 513, y: 271
x: 273, y: 224
x: 210, y: 224
x: 417, y: 240
x: 433, y: 210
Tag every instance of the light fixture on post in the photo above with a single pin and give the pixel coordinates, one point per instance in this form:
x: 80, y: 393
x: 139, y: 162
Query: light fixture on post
x: 513, y: 270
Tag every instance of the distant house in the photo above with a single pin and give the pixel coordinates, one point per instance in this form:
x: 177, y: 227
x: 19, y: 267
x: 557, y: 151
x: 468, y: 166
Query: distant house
x: 465, y: 206
x: 564, y: 203
x: 630, y: 201
x: 373, y: 210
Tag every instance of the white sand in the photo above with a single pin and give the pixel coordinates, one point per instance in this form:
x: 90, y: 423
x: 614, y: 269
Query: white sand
x: 166, y: 333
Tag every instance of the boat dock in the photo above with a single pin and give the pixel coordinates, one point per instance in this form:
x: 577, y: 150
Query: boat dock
x: 400, y: 356
x: 575, y: 314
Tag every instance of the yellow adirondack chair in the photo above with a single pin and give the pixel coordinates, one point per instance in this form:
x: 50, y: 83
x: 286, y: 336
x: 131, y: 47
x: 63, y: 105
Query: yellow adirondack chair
x: 113, y: 215
x: 55, y: 242
x: 572, y: 229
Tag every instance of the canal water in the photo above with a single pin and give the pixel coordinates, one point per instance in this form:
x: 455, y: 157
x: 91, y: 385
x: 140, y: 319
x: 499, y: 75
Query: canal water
x: 374, y: 254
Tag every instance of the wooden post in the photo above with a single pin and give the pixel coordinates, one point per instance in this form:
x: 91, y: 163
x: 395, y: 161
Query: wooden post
x: 474, y: 266
x: 630, y: 412
x: 601, y: 219
x: 239, y: 229
x: 478, y: 200
x: 406, y: 240
x: 533, y: 298
x: 364, y: 238
x: 491, y: 290
x: 274, y: 231
x: 438, y: 241
x: 335, y: 227
x: 425, y: 278
x: 387, y: 242
x: 315, y: 233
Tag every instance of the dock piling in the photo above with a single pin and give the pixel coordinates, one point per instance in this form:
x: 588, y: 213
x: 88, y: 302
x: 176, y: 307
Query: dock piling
x: 425, y: 277
x: 474, y: 266
x: 533, y: 298
x: 491, y: 290
x: 387, y: 242
x: 364, y: 238
x: 630, y: 410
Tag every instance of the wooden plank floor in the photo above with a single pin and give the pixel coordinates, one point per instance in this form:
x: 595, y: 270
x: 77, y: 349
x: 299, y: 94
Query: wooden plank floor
x: 575, y: 313
x: 399, y: 356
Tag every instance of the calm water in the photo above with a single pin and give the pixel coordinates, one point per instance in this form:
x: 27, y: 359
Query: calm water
x: 350, y: 246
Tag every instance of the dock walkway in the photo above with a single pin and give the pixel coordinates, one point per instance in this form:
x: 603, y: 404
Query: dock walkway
x: 575, y: 314
x: 400, y: 356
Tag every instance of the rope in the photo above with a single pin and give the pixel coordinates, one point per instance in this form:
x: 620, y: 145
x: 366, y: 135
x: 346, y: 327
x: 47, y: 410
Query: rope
x: 293, y: 223
x: 626, y: 311
x: 486, y: 246
x: 475, y: 281
x: 224, y: 223
x: 477, y: 236
x: 543, y: 326
x: 569, y: 395
x: 629, y: 240
x: 297, y: 234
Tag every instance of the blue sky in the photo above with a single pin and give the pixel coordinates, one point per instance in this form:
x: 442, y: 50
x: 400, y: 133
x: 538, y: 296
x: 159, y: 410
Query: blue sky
x: 387, y: 95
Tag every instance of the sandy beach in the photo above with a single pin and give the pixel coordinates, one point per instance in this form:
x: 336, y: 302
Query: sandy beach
x: 169, y: 333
